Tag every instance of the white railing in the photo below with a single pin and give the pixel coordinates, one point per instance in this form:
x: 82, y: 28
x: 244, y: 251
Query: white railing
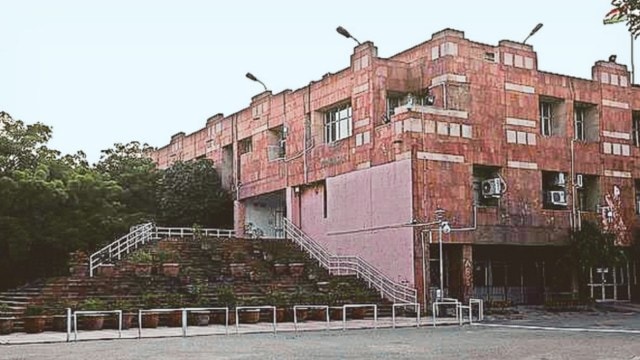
x: 186, y: 231
x: 142, y: 234
x: 351, y: 265
x: 139, y: 234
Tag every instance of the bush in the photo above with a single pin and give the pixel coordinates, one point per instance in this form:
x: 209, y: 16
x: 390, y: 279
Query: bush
x: 93, y: 304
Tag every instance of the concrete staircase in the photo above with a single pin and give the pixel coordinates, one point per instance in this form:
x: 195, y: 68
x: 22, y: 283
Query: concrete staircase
x: 204, y: 265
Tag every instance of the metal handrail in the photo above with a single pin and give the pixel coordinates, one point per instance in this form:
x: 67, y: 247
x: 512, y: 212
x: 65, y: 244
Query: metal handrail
x: 349, y: 265
x: 142, y: 234
x: 138, y: 235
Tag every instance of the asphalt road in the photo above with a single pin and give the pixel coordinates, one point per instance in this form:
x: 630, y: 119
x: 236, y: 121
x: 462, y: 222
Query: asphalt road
x: 451, y: 342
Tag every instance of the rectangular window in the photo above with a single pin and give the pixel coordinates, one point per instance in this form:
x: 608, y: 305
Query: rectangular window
x: 245, y: 146
x: 578, y: 123
x: 546, y: 118
x: 635, y: 128
x: 337, y: 123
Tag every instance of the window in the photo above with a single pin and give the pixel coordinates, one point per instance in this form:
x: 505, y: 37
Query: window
x: 490, y: 56
x: 393, y: 101
x: 546, y: 116
x: 578, y: 122
x: 589, y: 194
x: 277, y: 147
x: 554, y: 192
x: 635, y: 128
x: 324, y: 200
x: 245, y: 146
x: 585, y: 122
x: 337, y: 123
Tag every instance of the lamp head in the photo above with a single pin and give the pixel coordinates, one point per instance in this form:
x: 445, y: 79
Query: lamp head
x: 342, y: 31
x: 612, y: 58
x: 535, y: 29
x: 251, y: 77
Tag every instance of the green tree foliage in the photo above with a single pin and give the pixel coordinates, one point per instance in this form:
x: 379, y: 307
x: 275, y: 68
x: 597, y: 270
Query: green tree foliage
x: 630, y: 8
x: 590, y: 247
x: 52, y: 205
x: 130, y: 167
x: 191, y: 192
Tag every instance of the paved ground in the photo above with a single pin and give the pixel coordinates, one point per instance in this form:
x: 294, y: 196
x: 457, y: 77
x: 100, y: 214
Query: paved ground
x: 565, y: 336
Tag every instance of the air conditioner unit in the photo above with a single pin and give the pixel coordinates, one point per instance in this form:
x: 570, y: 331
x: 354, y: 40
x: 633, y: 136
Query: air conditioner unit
x: 559, y: 180
x: 492, y: 188
x: 557, y: 198
x: 579, y: 181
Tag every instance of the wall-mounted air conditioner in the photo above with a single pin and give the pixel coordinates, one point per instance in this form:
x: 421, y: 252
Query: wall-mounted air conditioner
x: 559, y: 180
x: 492, y: 188
x: 558, y: 198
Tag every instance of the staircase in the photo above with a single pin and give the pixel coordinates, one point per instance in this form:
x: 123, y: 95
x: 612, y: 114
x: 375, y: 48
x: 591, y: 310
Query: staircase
x: 203, y: 263
x: 351, y: 265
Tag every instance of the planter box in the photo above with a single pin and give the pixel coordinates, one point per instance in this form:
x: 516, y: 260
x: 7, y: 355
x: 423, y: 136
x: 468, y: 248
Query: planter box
x: 171, y: 269
x: 237, y: 270
x: 6, y: 325
x: 358, y: 313
x: 142, y: 269
x: 249, y: 316
x: 91, y: 322
x: 200, y: 318
x: 335, y: 313
x: 296, y: 269
x: 150, y: 320
x: 218, y: 318
x: 280, y: 269
x: 34, y: 324
x: 174, y: 319
x: 60, y: 323
x: 318, y: 315
x: 106, y: 270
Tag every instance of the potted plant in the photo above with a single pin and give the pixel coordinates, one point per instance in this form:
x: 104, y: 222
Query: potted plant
x: 142, y: 261
x: 280, y: 300
x: 280, y: 266
x: 249, y: 316
x: 6, y: 319
x: 334, y: 302
x: 106, y: 270
x: 301, y: 297
x: 296, y: 269
x: 237, y: 266
x: 169, y: 263
x: 34, y: 319
x: 226, y: 297
x: 60, y: 314
x: 200, y: 317
x: 92, y: 321
x: 175, y: 301
x: 359, y: 296
x: 319, y: 314
x: 128, y: 311
x: 150, y: 319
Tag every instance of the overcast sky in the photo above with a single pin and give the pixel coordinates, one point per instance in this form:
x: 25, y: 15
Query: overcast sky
x: 116, y: 71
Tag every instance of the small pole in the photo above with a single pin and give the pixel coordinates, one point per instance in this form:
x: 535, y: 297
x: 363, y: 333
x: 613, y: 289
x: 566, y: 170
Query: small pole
x: 633, y: 67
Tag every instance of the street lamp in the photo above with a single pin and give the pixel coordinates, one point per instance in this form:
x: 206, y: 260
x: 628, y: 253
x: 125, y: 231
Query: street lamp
x: 342, y: 31
x: 443, y: 227
x: 535, y: 30
x: 251, y: 77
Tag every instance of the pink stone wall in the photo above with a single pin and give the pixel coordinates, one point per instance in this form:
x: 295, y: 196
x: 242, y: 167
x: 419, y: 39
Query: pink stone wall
x: 366, y: 211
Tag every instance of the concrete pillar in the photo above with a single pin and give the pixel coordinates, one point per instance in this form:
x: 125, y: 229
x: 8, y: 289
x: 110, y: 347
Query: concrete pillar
x: 421, y: 267
x: 239, y: 214
x: 467, y: 272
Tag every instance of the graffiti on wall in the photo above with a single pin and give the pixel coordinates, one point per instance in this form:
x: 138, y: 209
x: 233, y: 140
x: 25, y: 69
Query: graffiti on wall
x: 612, y: 219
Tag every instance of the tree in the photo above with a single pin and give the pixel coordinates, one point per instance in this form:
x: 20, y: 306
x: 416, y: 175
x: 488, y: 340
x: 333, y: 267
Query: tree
x: 590, y: 247
x: 130, y: 167
x: 191, y: 192
x: 630, y: 10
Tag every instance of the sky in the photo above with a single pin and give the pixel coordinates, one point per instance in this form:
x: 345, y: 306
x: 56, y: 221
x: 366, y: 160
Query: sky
x: 115, y: 71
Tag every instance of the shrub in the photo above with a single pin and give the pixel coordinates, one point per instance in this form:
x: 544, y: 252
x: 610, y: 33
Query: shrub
x: 34, y: 310
x: 93, y: 304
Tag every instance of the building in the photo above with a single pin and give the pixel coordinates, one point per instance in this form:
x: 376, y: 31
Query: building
x: 374, y: 159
